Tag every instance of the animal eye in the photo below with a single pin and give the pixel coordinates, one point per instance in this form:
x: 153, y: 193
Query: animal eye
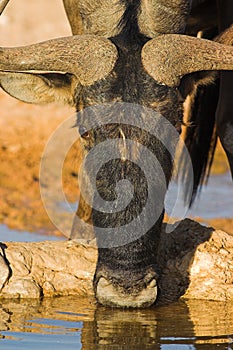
x: 84, y: 133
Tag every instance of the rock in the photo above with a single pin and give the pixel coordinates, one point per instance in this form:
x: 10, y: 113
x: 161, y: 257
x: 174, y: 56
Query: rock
x: 49, y: 269
x: 195, y: 262
x: 22, y: 288
x: 4, y: 270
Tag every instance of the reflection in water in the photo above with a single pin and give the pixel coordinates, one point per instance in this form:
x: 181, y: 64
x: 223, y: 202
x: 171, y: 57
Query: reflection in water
x: 74, y: 323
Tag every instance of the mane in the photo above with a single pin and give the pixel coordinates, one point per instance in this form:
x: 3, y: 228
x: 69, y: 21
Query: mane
x: 128, y: 25
x: 201, y: 137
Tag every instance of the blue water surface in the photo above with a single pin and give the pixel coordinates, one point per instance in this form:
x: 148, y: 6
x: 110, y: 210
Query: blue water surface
x: 87, y: 326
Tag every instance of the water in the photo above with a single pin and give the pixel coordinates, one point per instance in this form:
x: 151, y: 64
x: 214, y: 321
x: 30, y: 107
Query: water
x: 214, y: 201
x: 7, y: 235
x: 76, y: 323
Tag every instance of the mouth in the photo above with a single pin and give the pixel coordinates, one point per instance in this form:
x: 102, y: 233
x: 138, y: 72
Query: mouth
x: 108, y: 294
x: 126, y: 289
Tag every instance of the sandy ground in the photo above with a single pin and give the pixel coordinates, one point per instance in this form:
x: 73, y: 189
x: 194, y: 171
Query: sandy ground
x: 25, y: 129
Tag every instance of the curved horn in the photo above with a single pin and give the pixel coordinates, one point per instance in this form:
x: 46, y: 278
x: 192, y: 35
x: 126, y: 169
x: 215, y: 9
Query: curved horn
x: 88, y: 57
x: 3, y: 4
x: 168, y: 58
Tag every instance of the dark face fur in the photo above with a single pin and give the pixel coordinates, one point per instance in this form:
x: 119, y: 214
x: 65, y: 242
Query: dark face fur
x: 126, y: 274
x: 115, y: 68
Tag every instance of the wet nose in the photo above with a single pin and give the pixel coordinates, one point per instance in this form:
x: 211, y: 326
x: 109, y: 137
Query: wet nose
x: 110, y: 295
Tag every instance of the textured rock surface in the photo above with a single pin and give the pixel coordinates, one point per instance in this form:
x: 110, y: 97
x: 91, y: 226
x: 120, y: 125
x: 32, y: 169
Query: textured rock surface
x: 4, y: 271
x: 195, y: 263
x: 48, y: 269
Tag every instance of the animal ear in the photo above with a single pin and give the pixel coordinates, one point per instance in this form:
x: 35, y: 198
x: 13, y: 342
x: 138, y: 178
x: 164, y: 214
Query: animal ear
x: 39, y: 88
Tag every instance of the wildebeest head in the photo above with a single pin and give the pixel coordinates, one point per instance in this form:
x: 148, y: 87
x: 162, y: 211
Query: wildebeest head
x: 137, y: 57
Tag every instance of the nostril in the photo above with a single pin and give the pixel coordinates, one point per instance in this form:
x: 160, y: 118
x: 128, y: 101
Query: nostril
x: 103, y: 283
x: 152, y: 284
x: 109, y: 294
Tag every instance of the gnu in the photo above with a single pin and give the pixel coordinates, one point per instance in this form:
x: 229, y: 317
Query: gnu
x: 170, y: 56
